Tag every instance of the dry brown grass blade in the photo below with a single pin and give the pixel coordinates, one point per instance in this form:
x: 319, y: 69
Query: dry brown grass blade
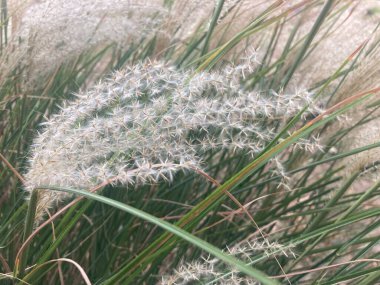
x: 14, y: 171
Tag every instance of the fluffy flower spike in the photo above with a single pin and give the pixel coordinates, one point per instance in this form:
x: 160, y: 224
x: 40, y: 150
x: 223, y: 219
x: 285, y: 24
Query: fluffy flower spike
x: 147, y: 122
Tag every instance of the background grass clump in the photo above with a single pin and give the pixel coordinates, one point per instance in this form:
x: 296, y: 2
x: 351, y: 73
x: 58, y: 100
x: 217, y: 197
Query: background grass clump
x: 166, y: 142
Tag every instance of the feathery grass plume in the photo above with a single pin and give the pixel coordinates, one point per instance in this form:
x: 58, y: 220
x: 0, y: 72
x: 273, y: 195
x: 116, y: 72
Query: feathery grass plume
x: 213, y: 271
x: 45, y: 34
x: 48, y: 33
x: 148, y: 121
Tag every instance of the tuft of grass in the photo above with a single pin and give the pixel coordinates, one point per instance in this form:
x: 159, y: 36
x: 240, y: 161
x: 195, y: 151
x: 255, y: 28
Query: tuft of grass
x: 295, y: 192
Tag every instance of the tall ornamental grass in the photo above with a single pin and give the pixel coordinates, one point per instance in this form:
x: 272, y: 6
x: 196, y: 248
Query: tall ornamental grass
x: 189, y: 142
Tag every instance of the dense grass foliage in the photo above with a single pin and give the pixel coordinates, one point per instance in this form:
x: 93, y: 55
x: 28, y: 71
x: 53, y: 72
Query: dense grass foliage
x: 280, y: 183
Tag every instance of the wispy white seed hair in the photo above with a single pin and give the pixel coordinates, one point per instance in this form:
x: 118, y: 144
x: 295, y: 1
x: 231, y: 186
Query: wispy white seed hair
x: 212, y: 271
x: 48, y: 33
x: 147, y: 122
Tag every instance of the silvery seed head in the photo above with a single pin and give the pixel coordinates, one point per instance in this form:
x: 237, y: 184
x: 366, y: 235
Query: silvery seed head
x: 208, y: 270
x: 148, y: 121
x: 47, y: 33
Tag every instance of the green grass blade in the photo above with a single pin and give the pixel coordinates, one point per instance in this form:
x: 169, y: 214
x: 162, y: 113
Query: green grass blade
x: 174, y: 230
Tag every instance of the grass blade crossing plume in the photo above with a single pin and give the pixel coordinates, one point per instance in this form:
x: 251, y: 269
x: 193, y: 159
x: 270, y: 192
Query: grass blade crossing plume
x: 156, y: 96
x: 148, y: 121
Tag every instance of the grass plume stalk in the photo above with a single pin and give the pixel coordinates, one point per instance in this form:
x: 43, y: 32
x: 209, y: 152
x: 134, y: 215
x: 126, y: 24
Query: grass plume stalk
x: 147, y: 122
